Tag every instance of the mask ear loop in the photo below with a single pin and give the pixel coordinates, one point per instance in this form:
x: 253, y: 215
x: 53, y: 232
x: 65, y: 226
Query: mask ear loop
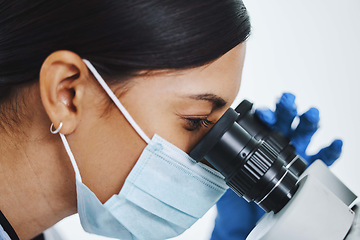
x: 71, y: 156
x: 67, y: 148
x: 117, y: 102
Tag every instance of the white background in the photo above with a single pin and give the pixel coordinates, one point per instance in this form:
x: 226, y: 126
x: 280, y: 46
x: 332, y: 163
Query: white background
x: 312, y: 49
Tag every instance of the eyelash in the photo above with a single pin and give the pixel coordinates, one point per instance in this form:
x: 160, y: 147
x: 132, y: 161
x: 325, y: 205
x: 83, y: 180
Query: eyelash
x: 197, y: 123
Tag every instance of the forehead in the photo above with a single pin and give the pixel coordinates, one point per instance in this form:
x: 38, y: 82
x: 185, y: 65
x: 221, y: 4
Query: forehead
x: 221, y: 77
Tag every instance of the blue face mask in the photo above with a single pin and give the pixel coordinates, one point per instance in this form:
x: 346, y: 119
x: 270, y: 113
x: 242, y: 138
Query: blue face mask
x: 164, y: 194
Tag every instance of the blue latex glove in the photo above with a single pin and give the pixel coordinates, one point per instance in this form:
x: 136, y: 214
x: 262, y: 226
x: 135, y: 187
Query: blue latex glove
x: 300, y: 137
x: 236, y: 217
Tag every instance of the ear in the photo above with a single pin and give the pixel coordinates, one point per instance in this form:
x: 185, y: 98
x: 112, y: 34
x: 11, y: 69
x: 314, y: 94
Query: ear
x: 62, y: 84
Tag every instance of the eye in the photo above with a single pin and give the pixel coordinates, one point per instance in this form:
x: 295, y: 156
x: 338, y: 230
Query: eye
x: 196, y: 123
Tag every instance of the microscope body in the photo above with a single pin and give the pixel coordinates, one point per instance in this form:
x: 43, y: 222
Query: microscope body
x: 321, y: 208
x: 261, y: 165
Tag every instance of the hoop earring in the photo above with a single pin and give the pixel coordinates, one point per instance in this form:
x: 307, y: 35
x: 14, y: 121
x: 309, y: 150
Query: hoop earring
x: 56, y: 130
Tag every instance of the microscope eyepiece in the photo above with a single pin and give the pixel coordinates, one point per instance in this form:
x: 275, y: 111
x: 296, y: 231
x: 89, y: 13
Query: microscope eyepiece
x: 252, y: 167
x: 256, y: 128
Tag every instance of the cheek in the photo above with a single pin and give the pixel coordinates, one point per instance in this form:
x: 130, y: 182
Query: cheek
x: 184, y: 139
x: 106, y: 149
x: 171, y: 127
x: 164, y: 122
x: 152, y: 107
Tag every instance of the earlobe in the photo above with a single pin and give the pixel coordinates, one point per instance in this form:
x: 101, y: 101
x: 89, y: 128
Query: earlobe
x: 62, y: 78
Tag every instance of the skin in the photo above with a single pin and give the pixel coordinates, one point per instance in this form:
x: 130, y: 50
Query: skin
x: 40, y: 180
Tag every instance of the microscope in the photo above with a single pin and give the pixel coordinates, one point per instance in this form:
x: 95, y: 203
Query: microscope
x: 260, y: 165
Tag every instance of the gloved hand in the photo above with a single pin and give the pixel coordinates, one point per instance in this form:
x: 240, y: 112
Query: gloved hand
x: 236, y: 217
x: 300, y: 137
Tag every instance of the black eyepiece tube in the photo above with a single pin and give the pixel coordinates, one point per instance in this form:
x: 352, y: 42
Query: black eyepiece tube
x: 251, y: 167
x: 256, y: 128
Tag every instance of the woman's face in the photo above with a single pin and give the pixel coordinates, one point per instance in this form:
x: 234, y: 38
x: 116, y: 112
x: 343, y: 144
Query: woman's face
x: 180, y: 106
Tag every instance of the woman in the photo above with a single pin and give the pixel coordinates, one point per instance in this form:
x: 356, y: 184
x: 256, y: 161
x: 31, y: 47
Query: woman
x: 175, y: 66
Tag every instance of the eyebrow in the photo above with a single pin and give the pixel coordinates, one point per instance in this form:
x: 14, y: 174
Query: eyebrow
x: 217, y: 101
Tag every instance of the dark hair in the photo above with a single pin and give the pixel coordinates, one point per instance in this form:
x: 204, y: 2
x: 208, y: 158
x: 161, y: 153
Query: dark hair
x: 120, y: 37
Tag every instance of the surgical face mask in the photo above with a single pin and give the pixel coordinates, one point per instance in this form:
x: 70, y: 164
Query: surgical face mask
x: 164, y: 194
